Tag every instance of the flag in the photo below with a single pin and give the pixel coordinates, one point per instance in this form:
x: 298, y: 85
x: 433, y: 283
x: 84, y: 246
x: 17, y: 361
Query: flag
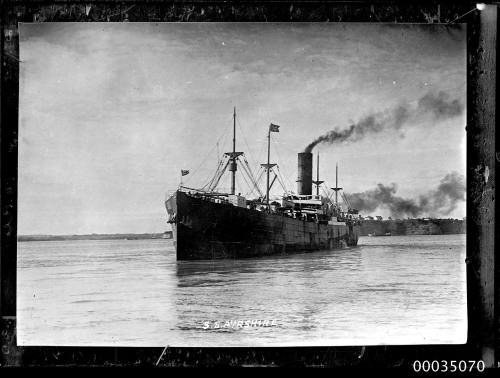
x: 184, y: 172
x: 274, y: 128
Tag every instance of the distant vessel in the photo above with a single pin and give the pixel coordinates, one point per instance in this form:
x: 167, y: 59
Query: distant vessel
x: 208, y: 224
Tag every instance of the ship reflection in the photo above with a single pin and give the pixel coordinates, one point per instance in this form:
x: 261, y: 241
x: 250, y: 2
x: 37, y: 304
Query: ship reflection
x: 305, y: 263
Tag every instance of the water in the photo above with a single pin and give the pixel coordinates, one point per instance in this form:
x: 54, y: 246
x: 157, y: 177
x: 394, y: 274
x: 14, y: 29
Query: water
x: 388, y: 290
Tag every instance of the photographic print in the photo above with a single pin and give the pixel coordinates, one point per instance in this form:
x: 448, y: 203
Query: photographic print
x: 241, y: 184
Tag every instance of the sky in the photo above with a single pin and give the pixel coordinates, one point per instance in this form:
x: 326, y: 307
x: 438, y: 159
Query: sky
x: 111, y: 112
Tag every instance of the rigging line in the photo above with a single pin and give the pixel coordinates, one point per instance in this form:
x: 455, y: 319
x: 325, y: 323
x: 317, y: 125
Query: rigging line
x: 280, y: 182
x: 252, y: 194
x: 325, y: 194
x: 261, y: 152
x: 220, y: 176
x: 257, y: 177
x: 204, y: 160
x: 328, y: 195
x: 220, y: 142
x: 288, y: 180
x: 244, y: 169
x: 256, y: 185
x: 342, y: 194
x: 249, y: 193
x: 245, y: 139
x: 277, y: 175
x: 262, y: 149
x: 217, y: 177
x: 327, y: 184
x: 260, y: 172
x: 246, y: 182
x: 343, y: 199
x: 281, y: 160
x: 252, y: 179
x: 248, y: 185
x: 258, y: 181
x: 227, y: 132
x: 282, y: 185
x: 248, y: 165
x: 328, y: 192
x: 249, y: 173
x: 244, y: 164
x: 346, y: 200
x: 261, y: 175
x: 257, y: 188
x: 272, y: 182
x: 281, y: 179
x: 240, y: 185
x: 214, y: 175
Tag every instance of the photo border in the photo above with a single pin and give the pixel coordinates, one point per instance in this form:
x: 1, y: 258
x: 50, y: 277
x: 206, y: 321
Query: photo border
x: 482, y: 161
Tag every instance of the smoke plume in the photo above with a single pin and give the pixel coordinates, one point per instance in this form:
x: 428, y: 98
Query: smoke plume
x: 437, y: 106
x: 438, y: 202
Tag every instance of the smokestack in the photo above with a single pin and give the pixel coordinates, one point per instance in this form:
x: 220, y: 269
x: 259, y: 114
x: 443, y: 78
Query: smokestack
x: 305, y: 167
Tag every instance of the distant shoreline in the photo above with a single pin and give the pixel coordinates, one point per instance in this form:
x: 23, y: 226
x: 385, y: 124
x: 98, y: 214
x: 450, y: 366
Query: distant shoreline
x: 163, y: 235
x: 425, y: 226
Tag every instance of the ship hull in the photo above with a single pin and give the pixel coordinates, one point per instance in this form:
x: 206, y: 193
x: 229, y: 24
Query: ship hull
x: 204, y: 229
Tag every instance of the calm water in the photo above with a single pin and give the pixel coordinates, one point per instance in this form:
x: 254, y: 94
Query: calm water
x: 388, y: 290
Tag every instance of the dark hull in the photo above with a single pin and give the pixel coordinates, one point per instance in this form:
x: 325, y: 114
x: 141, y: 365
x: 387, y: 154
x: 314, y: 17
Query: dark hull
x: 203, y: 229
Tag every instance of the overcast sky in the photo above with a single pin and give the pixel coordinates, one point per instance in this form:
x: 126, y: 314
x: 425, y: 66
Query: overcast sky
x: 111, y: 112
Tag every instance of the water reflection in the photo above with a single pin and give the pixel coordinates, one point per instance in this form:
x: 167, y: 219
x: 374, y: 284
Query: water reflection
x: 387, y: 290
x: 306, y: 262
x: 296, y: 288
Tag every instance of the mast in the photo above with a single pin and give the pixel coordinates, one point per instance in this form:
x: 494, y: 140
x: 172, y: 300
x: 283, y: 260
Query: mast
x: 272, y: 128
x: 233, y: 157
x: 336, y: 183
x: 317, y: 176
x: 336, y: 189
x: 317, y: 182
x: 268, y: 167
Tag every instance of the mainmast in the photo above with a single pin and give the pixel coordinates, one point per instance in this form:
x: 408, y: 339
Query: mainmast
x: 336, y: 189
x: 317, y: 182
x: 272, y: 128
x: 268, y: 165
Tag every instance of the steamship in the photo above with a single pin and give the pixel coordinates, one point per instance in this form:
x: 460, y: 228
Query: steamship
x: 211, y: 224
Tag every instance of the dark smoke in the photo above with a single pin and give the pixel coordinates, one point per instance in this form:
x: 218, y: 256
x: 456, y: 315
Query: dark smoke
x: 438, y: 202
x: 437, y: 106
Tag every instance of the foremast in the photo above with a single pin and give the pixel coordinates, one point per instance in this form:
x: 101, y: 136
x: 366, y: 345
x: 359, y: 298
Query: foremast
x: 233, y: 156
